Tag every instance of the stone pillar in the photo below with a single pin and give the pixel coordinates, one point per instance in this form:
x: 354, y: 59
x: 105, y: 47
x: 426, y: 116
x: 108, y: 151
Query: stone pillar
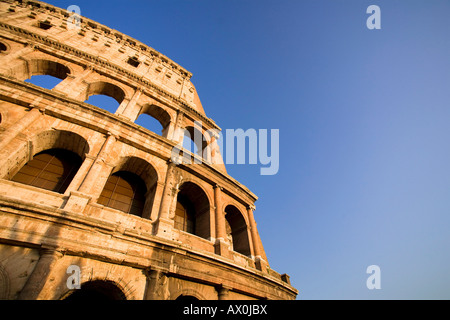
x: 178, y: 131
x: 223, y: 292
x: 169, y: 130
x: 81, y: 174
x: 221, y: 244
x: 253, y: 231
x: 90, y: 180
x: 165, y: 223
x: 157, y: 287
x: 154, y: 210
x: 75, y: 86
x: 81, y: 193
x: 36, y: 281
x: 129, y: 110
x: 260, y: 263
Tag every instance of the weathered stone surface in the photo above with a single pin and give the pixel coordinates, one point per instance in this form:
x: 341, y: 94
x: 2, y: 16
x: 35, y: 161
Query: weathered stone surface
x: 43, y: 233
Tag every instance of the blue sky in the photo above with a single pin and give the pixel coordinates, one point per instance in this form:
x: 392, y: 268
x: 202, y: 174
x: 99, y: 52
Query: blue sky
x: 364, y: 174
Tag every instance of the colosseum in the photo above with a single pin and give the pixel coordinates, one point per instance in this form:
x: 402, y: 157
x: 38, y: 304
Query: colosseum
x: 93, y: 205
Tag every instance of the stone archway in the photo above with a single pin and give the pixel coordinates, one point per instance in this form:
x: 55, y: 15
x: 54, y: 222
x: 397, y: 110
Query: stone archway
x: 99, y: 290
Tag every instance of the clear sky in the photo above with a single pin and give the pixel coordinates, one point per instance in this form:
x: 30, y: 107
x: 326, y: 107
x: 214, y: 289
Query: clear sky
x: 363, y: 117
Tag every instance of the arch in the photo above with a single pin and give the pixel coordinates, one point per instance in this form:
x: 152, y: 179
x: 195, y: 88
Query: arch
x: 124, y: 191
x: 188, y: 294
x: 60, y: 139
x: 102, y: 290
x: 185, y: 298
x: 3, y: 47
x: 193, y: 209
x: 142, y: 168
x: 45, y: 140
x: 237, y: 230
x: 48, y: 67
x: 46, y: 73
x: 195, y: 136
x: 107, y: 89
x: 131, y: 187
x: 159, y: 114
x: 51, y: 169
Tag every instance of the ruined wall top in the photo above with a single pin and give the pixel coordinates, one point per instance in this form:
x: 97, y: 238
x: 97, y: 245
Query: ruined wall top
x: 109, y: 46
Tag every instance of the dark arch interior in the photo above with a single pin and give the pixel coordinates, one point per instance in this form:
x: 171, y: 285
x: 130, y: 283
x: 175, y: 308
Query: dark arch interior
x: 186, y: 298
x: 2, y: 47
x: 238, y: 229
x: 51, y: 169
x: 185, y: 214
x: 193, y: 200
x: 194, y: 140
x: 97, y: 290
x: 124, y: 191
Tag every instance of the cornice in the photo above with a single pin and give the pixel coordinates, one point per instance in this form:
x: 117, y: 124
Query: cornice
x: 88, y: 24
x: 101, y: 62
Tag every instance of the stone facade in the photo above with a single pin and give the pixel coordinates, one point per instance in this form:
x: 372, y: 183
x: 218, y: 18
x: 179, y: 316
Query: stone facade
x: 119, y: 255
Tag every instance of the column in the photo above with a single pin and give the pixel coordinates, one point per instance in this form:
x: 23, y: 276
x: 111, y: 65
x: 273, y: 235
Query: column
x: 157, y: 285
x: 36, y: 281
x: 253, y: 231
x: 128, y: 110
x: 81, y: 193
x: 75, y: 86
x: 223, y: 292
x: 221, y: 245
x: 178, y: 132
x: 165, y: 223
x: 260, y: 263
x: 156, y: 205
x: 91, y: 179
x: 169, y: 130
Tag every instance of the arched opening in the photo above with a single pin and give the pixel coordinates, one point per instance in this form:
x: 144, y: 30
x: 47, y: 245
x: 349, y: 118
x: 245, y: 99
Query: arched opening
x: 131, y: 187
x: 51, y: 169
x: 97, y: 290
x: 150, y: 123
x: 45, y: 140
x: 104, y: 102
x: 236, y: 229
x: 46, y: 74
x: 124, y: 191
x: 186, y: 298
x: 194, y: 141
x: 155, y: 119
x: 185, y: 215
x: 192, y: 212
x: 44, y: 81
x: 105, y: 95
x: 3, y: 47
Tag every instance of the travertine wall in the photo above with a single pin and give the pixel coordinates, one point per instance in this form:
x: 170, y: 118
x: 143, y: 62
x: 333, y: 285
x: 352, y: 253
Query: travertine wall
x: 42, y: 232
